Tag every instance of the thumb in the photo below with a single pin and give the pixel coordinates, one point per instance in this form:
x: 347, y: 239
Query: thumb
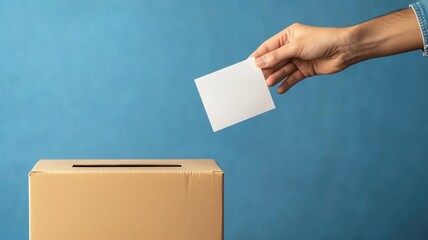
x: 270, y: 59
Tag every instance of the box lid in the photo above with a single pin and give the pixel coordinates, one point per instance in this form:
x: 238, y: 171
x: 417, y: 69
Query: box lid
x: 125, y: 165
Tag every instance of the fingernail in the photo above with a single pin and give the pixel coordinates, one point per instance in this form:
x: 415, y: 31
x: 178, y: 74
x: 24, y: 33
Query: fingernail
x: 260, y: 62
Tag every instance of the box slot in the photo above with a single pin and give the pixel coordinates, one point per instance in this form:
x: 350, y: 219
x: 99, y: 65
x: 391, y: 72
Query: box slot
x: 125, y: 165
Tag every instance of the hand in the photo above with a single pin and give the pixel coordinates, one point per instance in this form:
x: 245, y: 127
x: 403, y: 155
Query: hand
x: 301, y: 51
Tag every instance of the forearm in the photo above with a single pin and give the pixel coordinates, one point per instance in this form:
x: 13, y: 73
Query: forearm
x: 394, y: 33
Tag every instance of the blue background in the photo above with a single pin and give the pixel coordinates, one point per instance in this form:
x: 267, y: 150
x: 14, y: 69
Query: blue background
x: 342, y: 157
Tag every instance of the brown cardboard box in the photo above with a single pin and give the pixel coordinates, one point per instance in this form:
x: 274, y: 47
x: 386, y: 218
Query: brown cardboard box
x: 126, y: 199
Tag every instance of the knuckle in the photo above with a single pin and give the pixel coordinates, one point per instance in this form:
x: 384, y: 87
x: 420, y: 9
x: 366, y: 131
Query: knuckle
x: 306, y: 72
x: 271, y: 57
x: 286, y: 85
x: 265, y: 46
x: 292, y: 81
x: 294, y: 49
x: 274, y: 56
x: 275, y: 78
x: 295, y: 25
x: 283, y: 72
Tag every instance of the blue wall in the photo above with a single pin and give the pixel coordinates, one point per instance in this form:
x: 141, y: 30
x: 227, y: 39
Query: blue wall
x: 342, y: 157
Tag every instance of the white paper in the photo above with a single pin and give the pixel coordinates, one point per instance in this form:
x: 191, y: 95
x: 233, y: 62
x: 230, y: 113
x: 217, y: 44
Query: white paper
x: 234, y: 94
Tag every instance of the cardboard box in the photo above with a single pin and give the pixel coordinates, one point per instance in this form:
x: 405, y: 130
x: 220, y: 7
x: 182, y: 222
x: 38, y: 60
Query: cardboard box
x: 126, y: 199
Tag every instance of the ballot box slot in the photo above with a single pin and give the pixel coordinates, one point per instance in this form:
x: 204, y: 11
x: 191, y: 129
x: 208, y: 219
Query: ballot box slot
x: 125, y: 165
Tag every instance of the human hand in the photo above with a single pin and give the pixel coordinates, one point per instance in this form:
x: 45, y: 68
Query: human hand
x: 301, y: 51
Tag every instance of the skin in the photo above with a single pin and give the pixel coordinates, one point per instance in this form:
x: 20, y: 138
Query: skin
x: 300, y: 51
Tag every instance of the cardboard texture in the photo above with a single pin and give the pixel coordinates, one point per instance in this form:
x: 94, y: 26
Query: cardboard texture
x: 126, y: 199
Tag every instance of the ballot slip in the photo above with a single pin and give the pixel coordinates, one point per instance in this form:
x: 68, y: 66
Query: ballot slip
x: 234, y: 94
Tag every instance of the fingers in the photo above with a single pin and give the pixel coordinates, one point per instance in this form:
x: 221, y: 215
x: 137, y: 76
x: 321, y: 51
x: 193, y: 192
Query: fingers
x: 269, y: 45
x: 281, y: 74
x: 269, y: 71
x: 291, y: 80
x: 272, y: 58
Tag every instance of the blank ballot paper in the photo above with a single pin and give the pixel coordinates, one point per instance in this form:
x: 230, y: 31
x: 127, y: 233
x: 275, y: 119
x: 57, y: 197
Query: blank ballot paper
x: 234, y: 94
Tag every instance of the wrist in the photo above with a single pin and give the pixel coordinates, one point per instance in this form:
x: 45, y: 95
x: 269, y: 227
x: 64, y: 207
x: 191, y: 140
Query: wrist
x: 362, y: 43
x: 353, y: 51
x: 394, y: 33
